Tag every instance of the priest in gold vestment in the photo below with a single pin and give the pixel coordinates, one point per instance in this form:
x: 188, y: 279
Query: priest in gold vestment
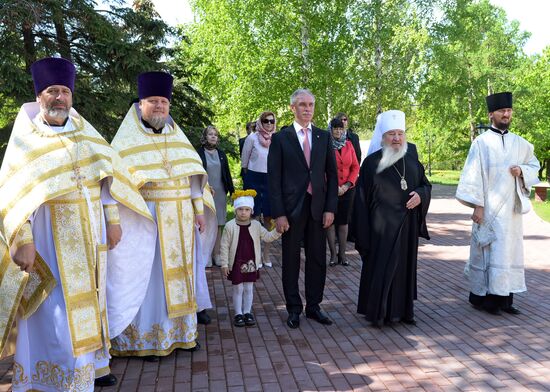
x: 61, y: 189
x: 169, y: 174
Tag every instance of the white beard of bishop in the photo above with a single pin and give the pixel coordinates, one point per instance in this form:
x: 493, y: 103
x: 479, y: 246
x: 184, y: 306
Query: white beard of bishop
x: 390, y: 156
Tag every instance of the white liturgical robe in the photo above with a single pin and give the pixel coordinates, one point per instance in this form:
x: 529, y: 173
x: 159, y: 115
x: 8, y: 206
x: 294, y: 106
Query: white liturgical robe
x: 486, y: 181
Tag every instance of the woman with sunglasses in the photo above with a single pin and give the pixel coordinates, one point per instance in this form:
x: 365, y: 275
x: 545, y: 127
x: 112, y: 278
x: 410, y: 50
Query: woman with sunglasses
x: 254, y: 168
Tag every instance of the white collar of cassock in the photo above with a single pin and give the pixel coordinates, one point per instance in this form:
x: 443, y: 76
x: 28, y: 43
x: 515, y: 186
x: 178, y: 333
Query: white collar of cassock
x: 39, y: 122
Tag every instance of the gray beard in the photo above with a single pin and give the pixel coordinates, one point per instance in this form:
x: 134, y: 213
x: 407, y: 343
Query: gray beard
x: 157, y: 122
x: 390, y: 156
x: 57, y: 113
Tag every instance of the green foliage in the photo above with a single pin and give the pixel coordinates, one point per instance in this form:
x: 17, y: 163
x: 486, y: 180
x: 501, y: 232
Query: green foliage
x: 474, y: 50
x: 531, y: 108
x: 251, y: 55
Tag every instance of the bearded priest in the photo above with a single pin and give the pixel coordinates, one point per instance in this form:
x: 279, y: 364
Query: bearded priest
x: 61, y: 189
x: 169, y: 174
x: 392, y: 200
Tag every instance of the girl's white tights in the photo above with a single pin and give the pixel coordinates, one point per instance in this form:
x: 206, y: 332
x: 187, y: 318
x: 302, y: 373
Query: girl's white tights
x: 243, y: 297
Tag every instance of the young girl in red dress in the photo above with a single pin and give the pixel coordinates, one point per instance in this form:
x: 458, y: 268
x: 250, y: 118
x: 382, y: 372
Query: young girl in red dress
x: 240, y: 254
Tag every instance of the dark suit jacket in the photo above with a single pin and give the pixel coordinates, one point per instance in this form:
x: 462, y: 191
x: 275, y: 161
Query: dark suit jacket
x: 354, y: 139
x: 241, y: 145
x: 226, y: 174
x: 289, y: 175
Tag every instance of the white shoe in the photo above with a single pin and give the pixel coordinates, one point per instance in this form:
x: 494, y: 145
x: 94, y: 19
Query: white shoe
x: 268, y: 264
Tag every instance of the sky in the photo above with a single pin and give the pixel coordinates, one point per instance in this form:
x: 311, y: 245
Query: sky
x: 531, y: 14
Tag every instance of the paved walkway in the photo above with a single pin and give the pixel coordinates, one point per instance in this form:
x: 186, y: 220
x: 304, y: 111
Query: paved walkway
x: 453, y: 347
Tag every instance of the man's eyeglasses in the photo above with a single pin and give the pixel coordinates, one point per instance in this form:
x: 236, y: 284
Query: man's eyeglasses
x: 268, y: 121
x: 344, y: 119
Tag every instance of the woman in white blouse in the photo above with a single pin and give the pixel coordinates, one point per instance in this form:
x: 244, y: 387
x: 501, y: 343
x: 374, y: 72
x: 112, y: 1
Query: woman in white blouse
x: 254, y: 168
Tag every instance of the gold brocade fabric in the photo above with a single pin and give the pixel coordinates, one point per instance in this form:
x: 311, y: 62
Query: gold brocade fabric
x: 82, y: 268
x: 145, y: 153
x: 38, y: 167
x: 18, y: 288
x: 161, y: 166
x: 157, y: 341
x: 51, y: 375
x: 41, y: 166
x: 174, y: 211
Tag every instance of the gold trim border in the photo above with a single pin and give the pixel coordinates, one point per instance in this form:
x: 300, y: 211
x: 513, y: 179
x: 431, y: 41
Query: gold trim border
x: 159, y: 353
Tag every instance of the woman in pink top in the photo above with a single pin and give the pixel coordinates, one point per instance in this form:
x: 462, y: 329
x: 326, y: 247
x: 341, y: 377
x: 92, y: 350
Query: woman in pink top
x: 254, y: 168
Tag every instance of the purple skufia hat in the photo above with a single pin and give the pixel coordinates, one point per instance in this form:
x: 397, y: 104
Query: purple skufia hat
x: 50, y: 71
x: 155, y: 84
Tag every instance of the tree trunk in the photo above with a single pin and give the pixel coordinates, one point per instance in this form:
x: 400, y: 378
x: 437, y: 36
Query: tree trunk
x: 378, y: 57
x: 61, y: 34
x: 28, y: 44
x: 305, y: 45
x: 470, y: 106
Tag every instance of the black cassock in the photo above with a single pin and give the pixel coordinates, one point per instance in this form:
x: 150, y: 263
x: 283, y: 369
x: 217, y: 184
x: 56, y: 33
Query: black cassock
x: 387, y: 236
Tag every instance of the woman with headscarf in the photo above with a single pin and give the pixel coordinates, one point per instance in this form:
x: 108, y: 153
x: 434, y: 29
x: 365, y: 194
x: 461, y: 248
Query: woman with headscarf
x: 254, y: 167
x: 348, y: 170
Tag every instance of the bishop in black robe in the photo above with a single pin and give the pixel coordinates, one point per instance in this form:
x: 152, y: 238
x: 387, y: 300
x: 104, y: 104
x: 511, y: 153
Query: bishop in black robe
x: 387, y: 236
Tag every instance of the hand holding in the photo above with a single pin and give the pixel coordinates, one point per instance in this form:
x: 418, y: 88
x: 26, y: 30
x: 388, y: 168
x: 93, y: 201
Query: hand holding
x: 477, y: 216
x: 24, y: 257
x: 225, y: 272
x: 281, y: 224
x: 516, y: 171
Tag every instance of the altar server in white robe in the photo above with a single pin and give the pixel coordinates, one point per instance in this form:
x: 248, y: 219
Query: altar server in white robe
x: 495, y: 182
x: 169, y: 174
x: 60, y: 183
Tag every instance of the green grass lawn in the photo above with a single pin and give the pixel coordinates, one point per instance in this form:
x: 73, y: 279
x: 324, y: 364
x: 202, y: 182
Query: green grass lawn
x: 451, y: 177
x: 444, y: 177
x: 541, y: 208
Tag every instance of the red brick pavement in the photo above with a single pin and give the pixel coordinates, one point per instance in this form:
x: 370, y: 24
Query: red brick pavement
x: 453, y: 347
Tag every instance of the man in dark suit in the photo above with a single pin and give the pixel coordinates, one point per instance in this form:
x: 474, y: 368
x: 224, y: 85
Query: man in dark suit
x: 303, y: 187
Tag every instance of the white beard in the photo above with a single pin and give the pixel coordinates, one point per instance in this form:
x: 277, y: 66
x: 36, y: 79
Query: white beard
x: 390, y: 156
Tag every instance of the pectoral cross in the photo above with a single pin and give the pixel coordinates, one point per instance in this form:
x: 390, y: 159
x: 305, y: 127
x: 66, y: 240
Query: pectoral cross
x: 77, y: 177
x: 167, y: 166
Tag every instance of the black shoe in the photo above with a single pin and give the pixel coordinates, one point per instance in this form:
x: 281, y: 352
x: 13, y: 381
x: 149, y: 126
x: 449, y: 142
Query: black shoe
x: 203, y: 317
x: 493, y: 311
x: 410, y: 321
x: 332, y: 263
x: 319, y: 316
x: 192, y: 349
x: 151, y: 358
x: 239, y: 321
x: 511, y: 310
x: 342, y: 260
x: 249, y: 319
x: 106, y: 381
x: 293, y: 320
